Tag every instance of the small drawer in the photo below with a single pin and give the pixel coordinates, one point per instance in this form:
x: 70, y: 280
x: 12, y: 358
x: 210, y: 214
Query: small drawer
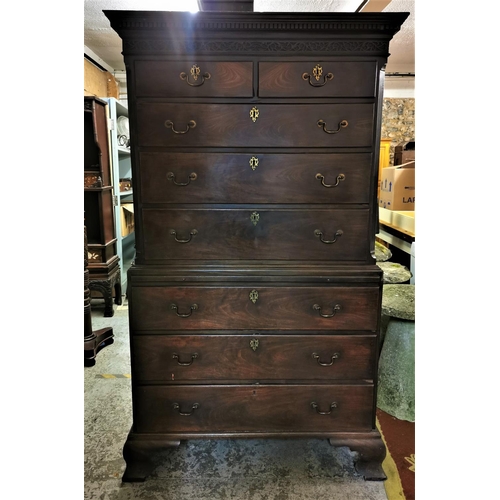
x: 256, y: 234
x: 255, y: 177
x: 161, y: 358
x: 165, y: 308
x: 193, y: 79
x: 255, y: 125
x: 257, y: 408
x: 317, y: 79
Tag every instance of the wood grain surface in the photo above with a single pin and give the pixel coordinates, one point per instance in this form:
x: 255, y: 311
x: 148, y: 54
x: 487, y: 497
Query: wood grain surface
x: 162, y: 79
x: 174, y: 358
x: 277, y: 234
x: 276, y: 308
x: 278, y: 125
x: 267, y: 408
x: 274, y: 178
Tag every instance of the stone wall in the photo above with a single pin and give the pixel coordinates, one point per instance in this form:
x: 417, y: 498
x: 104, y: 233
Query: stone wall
x: 398, y: 121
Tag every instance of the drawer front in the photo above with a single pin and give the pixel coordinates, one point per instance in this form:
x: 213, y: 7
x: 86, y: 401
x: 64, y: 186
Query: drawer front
x: 317, y: 79
x: 291, y: 234
x: 277, y: 125
x: 265, y: 308
x: 255, y: 178
x: 263, y: 408
x: 259, y: 357
x: 193, y: 79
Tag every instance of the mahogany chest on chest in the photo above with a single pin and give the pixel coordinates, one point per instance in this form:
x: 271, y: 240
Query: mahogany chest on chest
x: 255, y: 298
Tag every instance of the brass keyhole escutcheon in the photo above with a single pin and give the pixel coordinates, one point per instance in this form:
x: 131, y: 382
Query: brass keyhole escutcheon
x: 254, y: 218
x: 254, y: 295
x: 254, y: 343
x: 254, y: 114
x: 317, y: 72
x: 254, y: 162
x: 195, y: 72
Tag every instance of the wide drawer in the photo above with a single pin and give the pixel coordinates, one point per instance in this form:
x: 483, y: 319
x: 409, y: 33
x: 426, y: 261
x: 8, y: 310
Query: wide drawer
x: 265, y: 308
x: 317, y: 79
x: 258, y: 408
x: 285, y: 234
x: 193, y: 79
x: 258, y: 357
x: 255, y: 177
x: 254, y: 125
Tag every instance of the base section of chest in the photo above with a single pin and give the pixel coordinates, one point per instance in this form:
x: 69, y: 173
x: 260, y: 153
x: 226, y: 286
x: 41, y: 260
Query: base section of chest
x: 143, y: 451
x: 254, y: 353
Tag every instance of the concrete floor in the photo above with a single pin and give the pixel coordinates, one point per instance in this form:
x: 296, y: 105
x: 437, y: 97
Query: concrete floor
x: 201, y: 470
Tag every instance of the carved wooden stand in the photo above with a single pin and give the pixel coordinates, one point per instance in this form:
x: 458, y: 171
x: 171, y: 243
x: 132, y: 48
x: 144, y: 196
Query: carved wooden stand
x: 105, y: 285
x: 93, y: 341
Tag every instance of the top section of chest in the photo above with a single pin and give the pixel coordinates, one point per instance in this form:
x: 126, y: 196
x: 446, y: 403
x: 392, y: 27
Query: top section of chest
x: 254, y: 54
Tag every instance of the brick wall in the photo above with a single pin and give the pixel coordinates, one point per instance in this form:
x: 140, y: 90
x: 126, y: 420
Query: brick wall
x: 398, y: 121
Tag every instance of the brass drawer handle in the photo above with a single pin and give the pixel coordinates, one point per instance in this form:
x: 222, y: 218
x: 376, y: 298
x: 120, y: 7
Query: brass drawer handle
x: 316, y: 407
x: 317, y: 72
x: 174, y: 307
x: 336, y: 308
x: 342, y: 124
x: 335, y: 356
x: 177, y: 406
x: 171, y: 177
x: 319, y: 234
x: 321, y: 177
x: 192, y: 233
x: 170, y: 124
x: 195, y: 73
x: 185, y: 363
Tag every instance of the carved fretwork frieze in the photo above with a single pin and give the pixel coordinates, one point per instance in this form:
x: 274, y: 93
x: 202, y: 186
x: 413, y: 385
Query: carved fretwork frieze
x: 263, y: 46
x: 234, y: 22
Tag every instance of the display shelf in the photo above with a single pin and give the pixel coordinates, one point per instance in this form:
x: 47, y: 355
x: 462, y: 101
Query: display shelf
x: 121, y: 169
x: 402, y: 220
x: 397, y: 229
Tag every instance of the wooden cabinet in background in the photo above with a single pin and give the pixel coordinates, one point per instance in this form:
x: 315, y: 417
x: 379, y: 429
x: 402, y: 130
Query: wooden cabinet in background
x: 103, y: 261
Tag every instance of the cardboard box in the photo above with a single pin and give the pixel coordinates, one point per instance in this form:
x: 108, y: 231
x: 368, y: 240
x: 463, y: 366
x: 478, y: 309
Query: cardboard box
x: 127, y: 218
x: 397, y: 187
x: 404, y: 152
